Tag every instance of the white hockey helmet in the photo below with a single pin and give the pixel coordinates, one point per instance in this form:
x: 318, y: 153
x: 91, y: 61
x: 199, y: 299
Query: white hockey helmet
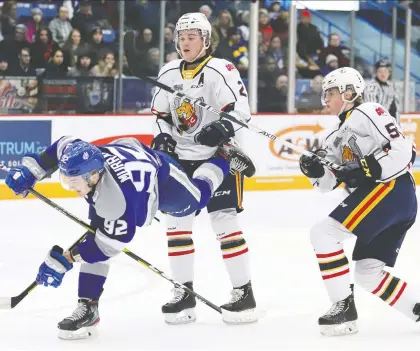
x: 345, y: 79
x: 193, y: 21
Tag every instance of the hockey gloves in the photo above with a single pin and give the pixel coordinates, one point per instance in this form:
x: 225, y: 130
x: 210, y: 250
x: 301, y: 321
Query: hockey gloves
x: 215, y: 133
x: 20, y: 179
x: 165, y: 143
x: 311, y: 166
x: 358, y: 172
x: 52, y: 270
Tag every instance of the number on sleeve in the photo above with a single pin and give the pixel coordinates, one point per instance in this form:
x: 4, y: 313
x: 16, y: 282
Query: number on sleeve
x: 242, y: 89
x: 392, y: 130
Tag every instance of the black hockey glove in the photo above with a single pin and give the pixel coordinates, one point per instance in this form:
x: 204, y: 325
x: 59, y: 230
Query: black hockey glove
x: 215, y: 133
x: 358, y: 172
x: 311, y: 166
x: 165, y: 143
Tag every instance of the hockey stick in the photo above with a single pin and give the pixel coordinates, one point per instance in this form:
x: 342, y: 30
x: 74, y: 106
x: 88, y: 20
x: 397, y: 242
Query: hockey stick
x: 129, y: 46
x: 11, y: 302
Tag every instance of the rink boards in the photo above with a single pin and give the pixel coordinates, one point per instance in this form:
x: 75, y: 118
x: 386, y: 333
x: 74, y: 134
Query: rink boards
x: 278, y: 167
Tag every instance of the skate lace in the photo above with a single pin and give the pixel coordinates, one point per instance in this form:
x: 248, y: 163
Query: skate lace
x: 336, y: 308
x: 236, y: 295
x: 178, y: 295
x: 79, y: 312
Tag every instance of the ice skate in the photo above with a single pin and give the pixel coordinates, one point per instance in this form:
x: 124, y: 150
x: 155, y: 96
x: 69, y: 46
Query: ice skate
x: 238, y: 161
x: 241, y: 308
x: 82, y: 323
x: 181, y: 309
x: 341, y: 319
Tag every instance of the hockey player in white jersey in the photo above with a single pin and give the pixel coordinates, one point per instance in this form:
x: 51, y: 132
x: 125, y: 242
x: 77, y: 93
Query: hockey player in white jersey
x: 376, y: 159
x: 192, y: 135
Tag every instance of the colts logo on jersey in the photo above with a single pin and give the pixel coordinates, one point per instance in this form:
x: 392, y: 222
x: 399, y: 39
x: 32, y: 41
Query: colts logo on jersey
x: 188, y: 117
x: 347, y: 154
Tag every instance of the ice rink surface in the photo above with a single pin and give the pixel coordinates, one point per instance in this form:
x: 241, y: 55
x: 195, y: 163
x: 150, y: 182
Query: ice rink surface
x: 286, y: 280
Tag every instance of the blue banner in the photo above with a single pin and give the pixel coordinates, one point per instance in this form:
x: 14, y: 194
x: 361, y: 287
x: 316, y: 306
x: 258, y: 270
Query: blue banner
x: 18, y: 138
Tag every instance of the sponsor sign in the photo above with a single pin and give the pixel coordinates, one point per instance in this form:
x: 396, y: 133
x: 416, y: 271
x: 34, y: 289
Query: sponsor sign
x: 18, y: 138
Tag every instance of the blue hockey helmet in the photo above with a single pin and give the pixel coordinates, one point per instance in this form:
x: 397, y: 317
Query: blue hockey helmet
x: 81, y: 158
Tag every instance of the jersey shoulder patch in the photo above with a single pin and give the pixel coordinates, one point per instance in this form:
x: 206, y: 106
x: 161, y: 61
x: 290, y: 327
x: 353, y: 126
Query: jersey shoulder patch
x: 175, y: 64
x: 110, y: 201
x: 221, y: 65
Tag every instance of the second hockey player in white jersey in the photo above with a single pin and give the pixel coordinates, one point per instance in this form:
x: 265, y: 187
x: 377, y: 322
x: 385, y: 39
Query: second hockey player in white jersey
x: 376, y: 160
x: 192, y: 135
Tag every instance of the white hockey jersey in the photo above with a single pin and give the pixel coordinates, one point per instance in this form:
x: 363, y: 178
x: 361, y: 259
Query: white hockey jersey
x: 367, y: 129
x: 218, y: 83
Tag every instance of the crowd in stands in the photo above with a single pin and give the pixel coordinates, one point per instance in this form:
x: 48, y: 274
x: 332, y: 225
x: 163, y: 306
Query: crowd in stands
x: 73, y: 43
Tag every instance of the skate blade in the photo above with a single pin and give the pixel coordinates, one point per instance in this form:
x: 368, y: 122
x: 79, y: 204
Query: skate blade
x: 184, y: 317
x: 346, y: 328
x: 243, y: 317
x: 80, y: 334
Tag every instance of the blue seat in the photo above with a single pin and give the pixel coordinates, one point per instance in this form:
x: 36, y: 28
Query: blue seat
x: 109, y: 35
x: 24, y: 9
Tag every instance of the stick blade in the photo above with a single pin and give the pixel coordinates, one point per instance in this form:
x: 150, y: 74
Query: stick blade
x: 5, y: 303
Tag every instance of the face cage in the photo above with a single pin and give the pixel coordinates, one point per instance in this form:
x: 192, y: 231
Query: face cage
x: 204, y: 34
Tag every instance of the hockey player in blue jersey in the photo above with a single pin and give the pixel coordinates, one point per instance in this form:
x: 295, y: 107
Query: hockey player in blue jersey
x: 125, y: 183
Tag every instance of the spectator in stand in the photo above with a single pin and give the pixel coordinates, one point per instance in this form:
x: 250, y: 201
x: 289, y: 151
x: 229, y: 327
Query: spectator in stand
x: 105, y: 12
x: 4, y: 65
x: 43, y: 48
x: 84, y: 20
x: 106, y: 66
x: 56, y: 67
x: 243, y: 24
x: 33, y: 25
x: 310, y: 100
x: 152, y: 64
x: 13, y: 44
x: 274, y: 99
x: 207, y: 11
x: 145, y: 13
x: 268, y: 73
x: 331, y: 64
x: 234, y: 49
x: 168, y: 35
x: 97, y: 46
x: 275, y: 50
x: 280, y: 27
x: 264, y: 26
x: 8, y: 18
x: 220, y: 27
x: 309, y: 43
x: 262, y: 48
x: 306, y: 69
x: 145, y: 42
x: 23, y: 67
x: 335, y: 48
x: 83, y: 66
x: 60, y: 27
x: 274, y: 10
x: 126, y: 70
x: 171, y: 56
x: 73, y: 48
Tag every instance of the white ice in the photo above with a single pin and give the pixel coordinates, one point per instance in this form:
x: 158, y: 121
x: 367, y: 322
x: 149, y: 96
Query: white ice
x: 286, y: 282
